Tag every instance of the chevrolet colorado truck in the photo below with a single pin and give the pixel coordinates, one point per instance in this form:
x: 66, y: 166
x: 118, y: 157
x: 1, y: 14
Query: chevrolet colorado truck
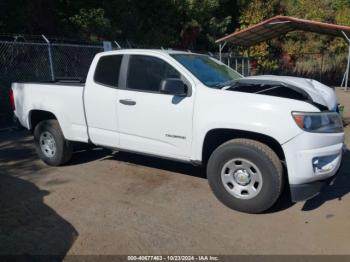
x: 254, y: 134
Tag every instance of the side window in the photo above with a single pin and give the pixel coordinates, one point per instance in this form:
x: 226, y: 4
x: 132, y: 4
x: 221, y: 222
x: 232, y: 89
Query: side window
x: 147, y: 72
x: 107, y: 70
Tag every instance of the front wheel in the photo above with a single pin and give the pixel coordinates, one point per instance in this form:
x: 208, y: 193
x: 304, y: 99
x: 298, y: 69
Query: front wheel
x: 245, y: 175
x: 50, y: 143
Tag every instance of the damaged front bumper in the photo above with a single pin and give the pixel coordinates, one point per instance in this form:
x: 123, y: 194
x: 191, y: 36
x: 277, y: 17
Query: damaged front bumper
x: 313, y: 161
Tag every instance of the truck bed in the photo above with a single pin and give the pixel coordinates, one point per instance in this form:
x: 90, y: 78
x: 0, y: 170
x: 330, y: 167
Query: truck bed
x: 65, y: 98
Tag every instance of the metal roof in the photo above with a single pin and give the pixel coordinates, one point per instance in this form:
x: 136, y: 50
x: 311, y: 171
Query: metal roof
x: 280, y: 25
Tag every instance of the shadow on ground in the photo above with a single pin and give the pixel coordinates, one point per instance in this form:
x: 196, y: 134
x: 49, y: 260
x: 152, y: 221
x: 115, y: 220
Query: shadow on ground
x: 91, y: 154
x: 284, y: 202
x: 341, y: 187
x: 159, y: 163
x: 27, y: 225
x: 88, y: 154
x: 338, y: 190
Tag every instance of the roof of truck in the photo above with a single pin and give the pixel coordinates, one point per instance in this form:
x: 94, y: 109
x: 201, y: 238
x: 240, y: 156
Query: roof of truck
x: 163, y: 51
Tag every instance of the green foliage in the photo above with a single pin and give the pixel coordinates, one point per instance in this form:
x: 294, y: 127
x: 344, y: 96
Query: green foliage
x: 217, y: 28
x: 312, y: 9
x: 154, y: 23
x: 255, y: 12
x: 207, y: 20
x: 340, y: 4
x: 342, y: 16
x: 200, y: 9
x: 187, y: 24
x: 92, y: 23
x: 269, y: 54
x: 331, y: 59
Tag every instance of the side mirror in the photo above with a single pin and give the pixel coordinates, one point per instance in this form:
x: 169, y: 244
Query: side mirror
x: 173, y: 86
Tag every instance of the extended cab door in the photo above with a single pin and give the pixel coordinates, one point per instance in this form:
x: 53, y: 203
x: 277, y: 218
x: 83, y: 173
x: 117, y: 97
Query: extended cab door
x: 100, y: 99
x: 148, y: 120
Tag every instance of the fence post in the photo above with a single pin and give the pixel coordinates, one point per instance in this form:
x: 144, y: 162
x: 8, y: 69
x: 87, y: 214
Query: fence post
x: 118, y: 45
x: 321, y: 71
x: 242, y: 61
x: 248, y: 59
x: 348, y: 63
x: 221, y: 47
x: 50, y: 57
x: 347, y: 70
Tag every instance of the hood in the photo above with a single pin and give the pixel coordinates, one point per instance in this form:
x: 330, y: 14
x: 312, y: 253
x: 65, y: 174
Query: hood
x: 291, y: 87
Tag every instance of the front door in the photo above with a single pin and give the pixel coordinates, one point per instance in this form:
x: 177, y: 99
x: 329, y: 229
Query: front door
x: 149, y: 121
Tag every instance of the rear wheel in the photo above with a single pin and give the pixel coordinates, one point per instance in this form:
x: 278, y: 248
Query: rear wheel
x: 245, y: 175
x: 50, y: 143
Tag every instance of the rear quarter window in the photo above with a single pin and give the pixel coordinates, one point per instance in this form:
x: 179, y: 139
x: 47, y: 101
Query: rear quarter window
x: 107, y: 70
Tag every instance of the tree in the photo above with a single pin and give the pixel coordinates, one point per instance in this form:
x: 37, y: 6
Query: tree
x: 205, y: 21
x: 93, y: 24
x: 255, y: 12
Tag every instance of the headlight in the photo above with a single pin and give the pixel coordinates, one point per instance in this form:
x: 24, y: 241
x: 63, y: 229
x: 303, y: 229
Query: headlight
x: 323, y: 122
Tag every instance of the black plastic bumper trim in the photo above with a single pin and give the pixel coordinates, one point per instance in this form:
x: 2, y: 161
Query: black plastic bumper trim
x: 304, y: 192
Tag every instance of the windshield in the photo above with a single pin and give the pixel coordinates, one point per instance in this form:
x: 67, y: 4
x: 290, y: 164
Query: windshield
x: 208, y: 70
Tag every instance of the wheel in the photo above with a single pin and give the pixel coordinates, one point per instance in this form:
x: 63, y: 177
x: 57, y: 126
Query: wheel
x: 245, y: 175
x: 50, y: 143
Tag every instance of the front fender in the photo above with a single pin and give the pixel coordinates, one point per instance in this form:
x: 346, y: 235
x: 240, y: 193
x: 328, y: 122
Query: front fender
x: 266, y: 115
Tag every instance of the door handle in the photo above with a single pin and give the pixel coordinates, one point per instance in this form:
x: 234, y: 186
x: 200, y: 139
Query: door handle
x: 127, y: 102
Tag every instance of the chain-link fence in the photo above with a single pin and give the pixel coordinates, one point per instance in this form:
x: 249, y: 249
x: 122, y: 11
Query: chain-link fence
x: 72, y: 60
x: 241, y: 64
x: 37, y: 60
x: 326, y: 68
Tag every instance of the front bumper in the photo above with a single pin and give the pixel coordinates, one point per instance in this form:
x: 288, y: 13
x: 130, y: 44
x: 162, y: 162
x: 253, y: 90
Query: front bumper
x: 300, y: 153
x: 306, y: 191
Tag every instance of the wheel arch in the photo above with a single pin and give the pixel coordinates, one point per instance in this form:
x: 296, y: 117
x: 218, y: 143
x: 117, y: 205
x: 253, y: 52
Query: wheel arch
x: 36, y: 115
x: 218, y: 136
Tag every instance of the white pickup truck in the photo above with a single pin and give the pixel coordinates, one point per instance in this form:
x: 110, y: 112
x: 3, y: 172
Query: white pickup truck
x: 254, y: 134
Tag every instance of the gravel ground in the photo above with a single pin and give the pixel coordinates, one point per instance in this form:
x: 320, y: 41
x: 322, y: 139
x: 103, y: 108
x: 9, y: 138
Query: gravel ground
x: 103, y: 203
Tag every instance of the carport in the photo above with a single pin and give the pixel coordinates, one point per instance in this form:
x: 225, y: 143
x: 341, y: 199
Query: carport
x: 281, y: 25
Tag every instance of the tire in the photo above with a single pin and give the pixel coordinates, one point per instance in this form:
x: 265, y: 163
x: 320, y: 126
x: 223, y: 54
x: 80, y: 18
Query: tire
x: 50, y: 143
x: 245, y: 175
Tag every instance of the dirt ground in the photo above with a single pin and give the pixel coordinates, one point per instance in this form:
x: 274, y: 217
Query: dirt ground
x: 103, y: 203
